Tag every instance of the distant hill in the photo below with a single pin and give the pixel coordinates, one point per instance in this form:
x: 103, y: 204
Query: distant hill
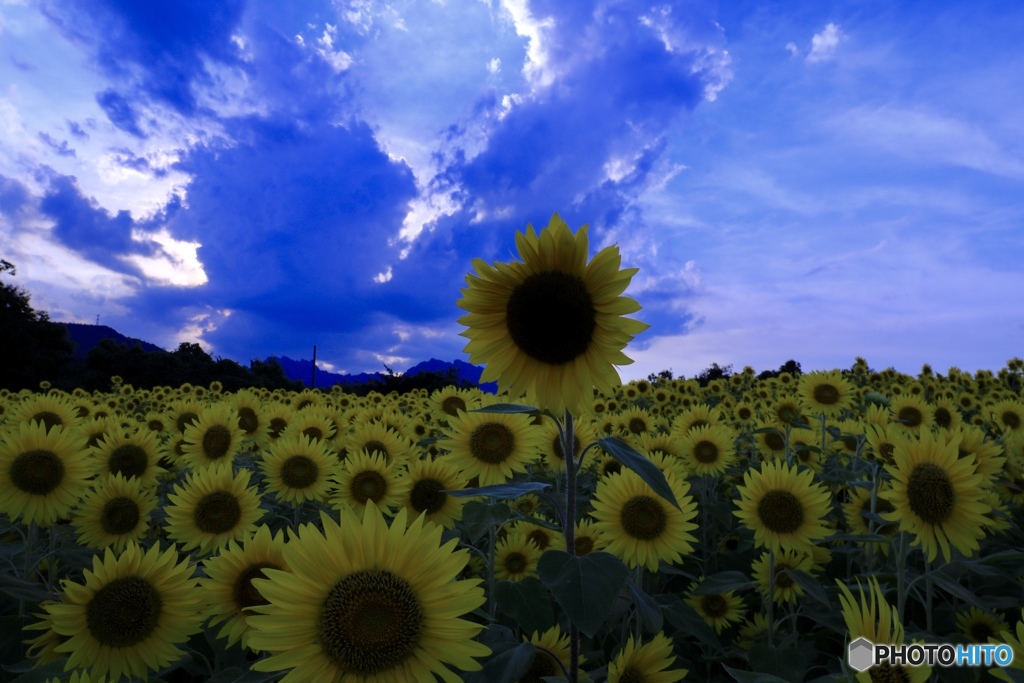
x: 88, y: 337
x: 302, y: 370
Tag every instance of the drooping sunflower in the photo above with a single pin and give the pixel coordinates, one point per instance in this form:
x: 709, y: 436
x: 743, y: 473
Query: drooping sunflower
x: 368, y: 478
x: 786, y: 589
x: 857, y: 513
x: 877, y: 621
x: 544, y: 536
x: 492, y: 446
x: 783, y: 507
x: 988, y: 455
x: 515, y: 557
x: 640, y: 527
x: 937, y: 496
x: 249, y: 409
x: 133, y: 456
x: 979, y: 626
x: 825, y: 393
x: 42, y: 472
x: 428, y: 479
x: 770, y: 444
x: 647, y: 663
x: 708, y: 450
x: 587, y: 539
x: 367, y: 602
x: 297, y: 468
x: 551, y: 657
x: 114, y: 513
x: 551, y: 443
x: 551, y: 325
x: 215, y: 438
x: 184, y: 412
x: 130, y: 615
x: 718, y: 609
x: 229, y: 586
x: 212, y: 508
x: 1008, y: 418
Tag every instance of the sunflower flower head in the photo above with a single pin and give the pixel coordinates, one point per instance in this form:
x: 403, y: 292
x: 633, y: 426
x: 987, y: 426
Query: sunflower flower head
x: 552, y: 324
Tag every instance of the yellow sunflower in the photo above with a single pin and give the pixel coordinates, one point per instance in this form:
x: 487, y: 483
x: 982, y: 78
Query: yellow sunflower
x: 786, y: 589
x: 979, y: 626
x: 515, y: 557
x: 718, y: 609
x: 859, y: 507
x: 429, y: 478
x: 215, y: 438
x: 784, y: 507
x: 648, y: 663
x: 1016, y: 641
x: 130, y: 615
x: 639, y: 526
x: 551, y: 325
x: 42, y: 472
x: 368, y: 478
x: 451, y: 400
x: 47, y: 409
x: 551, y: 657
x: 587, y: 539
x: 543, y: 536
x: 551, y: 443
x: 133, y: 456
x: 249, y: 409
x: 378, y: 437
x: 297, y: 468
x: 212, y: 508
x: 492, y: 446
x: 937, y: 496
x: 708, y: 450
x: 114, y: 513
x: 825, y: 393
x: 229, y: 586
x: 911, y: 413
x: 367, y: 602
x: 877, y: 621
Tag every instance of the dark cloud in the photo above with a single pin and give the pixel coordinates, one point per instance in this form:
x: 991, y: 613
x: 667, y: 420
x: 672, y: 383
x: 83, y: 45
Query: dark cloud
x: 13, y: 196
x: 60, y: 148
x: 77, y: 130
x: 120, y: 112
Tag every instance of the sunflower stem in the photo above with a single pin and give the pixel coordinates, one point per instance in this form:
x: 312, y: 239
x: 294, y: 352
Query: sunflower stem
x: 928, y: 594
x: 771, y: 589
x: 901, y: 574
x: 569, y: 450
x: 492, y: 602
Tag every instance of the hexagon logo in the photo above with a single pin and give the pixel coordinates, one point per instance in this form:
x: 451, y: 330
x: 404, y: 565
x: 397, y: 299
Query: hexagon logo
x: 861, y: 654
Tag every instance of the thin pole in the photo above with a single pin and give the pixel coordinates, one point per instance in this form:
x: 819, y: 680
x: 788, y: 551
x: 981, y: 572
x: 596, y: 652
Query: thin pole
x: 313, y: 382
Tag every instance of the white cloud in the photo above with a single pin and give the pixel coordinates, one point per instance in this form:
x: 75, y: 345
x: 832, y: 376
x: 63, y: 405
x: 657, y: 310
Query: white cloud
x: 494, y: 66
x: 825, y: 43
x: 200, y: 324
x: 339, y: 60
x: 792, y: 48
x: 381, y: 278
x: 538, y: 69
x: 177, y: 263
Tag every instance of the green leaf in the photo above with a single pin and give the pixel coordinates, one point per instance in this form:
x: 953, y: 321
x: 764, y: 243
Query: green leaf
x: 810, y: 585
x: 527, y: 602
x: 508, y: 663
x: 723, y: 582
x: 20, y: 589
x: 789, y: 664
x: 639, y: 463
x: 957, y: 590
x: 479, y: 517
x: 751, y: 677
x: 584, y: 587
x: 686, y: 620
x: 507, y: 408
x: 500, y: 491
x: 649, y: 610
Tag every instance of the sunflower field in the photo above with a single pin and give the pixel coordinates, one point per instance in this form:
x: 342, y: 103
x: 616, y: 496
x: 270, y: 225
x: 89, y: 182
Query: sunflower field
x: 570, y: 528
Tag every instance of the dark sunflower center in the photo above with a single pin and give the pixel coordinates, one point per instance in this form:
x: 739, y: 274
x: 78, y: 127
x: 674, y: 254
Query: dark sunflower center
x: 744, y: 413
x: 637, y: 425
x: 611, y: 467
x: 244, y: 593
x: 981, y: 631
x: 930, y: 493
x: 119, y: 516
x: 731, y: 544
x: 277, y: 425
x: 887, y: 450
x: 124, y: 612
x: 559, y: 452
x: 786, y: 413
x: 783, y: 580
x: 911, y: 416
x: 217, y: 513
x: 1010, y: 419
x: 299, y: 472
x: 129, y: 460
x: 715, y: 606
x: 706, y: 452
x: 314, y: 433
x: 542, y: 665
x: 882, y: 506
x: 643, y: 517
x: 216, y: 442
x: 185, y: 419
x: 492, y: 443
x: 780, y: 511
x: 540, y: 537
x: 37, y: 471
x: 368, y: 485
x: 943, y: 417
x: 631, y: 675
x: 826, y: 394
x: 515, y: 563
x: 49, y: 419
x: 428, y: 496
x: 248, y: 420
x: 370, y: 622
x: 374, y: 446
x: 775, y: 442
x: 887, y: 673
x: 155, y: 425
x: 452, y: 405
x: 305, y: 403
x: 697, y: 423
x: 583, y: 545
x: 551, y: 317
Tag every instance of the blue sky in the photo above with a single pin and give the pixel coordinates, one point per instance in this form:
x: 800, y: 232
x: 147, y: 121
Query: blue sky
x: 795, y: 180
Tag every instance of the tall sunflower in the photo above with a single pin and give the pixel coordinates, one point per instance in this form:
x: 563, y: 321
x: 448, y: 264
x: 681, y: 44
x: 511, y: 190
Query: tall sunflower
x: 827, y: 393
x: 640, y: 527
x: 133, y: 456
x: 43, y: 472
x: 214, y: 438
x: 717, y: 609
x: 937, y: 496
x: 229, y: 586
x: 212, y: 508
x: 297, y: 468
x: 647, y: 663
x: 786, y: 589
x: 551, y: 325
x: 877, y: 621
x: 368, y: 478
x: 515, y: 557
x: 368, y: 602
x: 551, y: 657
x: 114, y: 513
x: 783, y: 507
x: 708, y: 450
x: 492, y: 446
x: 429, y: 478
x: 130, y: 615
